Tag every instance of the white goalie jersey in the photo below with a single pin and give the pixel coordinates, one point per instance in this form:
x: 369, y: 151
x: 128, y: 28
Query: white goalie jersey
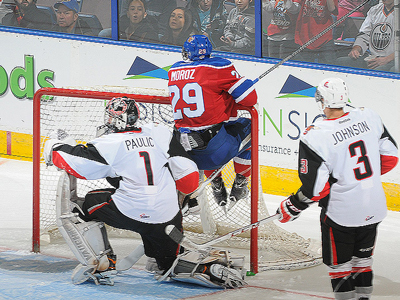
x: 151, y: 163
x: 340, y: 164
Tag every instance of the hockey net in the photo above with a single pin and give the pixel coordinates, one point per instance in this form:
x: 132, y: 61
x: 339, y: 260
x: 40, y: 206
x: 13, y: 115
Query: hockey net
x: 79, y: 111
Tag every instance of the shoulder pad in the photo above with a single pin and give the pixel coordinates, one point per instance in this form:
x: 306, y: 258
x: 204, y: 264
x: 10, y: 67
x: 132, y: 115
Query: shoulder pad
x: 311, y: 127
x: 213, y: 61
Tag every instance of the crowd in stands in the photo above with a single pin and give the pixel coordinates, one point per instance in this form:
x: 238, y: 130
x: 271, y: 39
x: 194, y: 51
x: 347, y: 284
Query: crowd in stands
x: 230, y: 25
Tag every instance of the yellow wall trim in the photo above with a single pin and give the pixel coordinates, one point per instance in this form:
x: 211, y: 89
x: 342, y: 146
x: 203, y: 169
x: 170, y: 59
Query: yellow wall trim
x: 275, y: 181
x: 16, y: 145
x: 283, y: 182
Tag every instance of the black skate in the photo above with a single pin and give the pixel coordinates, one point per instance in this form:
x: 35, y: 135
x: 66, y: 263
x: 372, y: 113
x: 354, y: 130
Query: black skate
x: 190, y: 206
x: 219, y: 191
x: 112, y: 260
x: 239, y: 190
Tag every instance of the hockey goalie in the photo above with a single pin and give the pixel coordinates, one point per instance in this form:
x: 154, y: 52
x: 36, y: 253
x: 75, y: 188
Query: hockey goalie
x: 147, y: 166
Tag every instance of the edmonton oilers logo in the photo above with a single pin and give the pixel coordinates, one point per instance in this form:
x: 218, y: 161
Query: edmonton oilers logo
x: 381, y: 36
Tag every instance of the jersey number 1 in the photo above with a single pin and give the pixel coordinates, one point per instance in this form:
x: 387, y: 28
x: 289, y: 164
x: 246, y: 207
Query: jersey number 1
x: 147, y: 165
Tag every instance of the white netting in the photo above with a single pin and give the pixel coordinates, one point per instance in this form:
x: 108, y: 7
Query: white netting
x: 79, y: 117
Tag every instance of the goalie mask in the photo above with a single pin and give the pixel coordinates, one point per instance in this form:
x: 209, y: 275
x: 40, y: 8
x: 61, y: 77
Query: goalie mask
x: 196, y: 47
x: 332, y: 93
x: 121, y: 114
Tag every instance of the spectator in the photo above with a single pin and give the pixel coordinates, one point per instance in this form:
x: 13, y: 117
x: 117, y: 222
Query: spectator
x: 68, y: 20
x: 344, y: 6
x: 180, y: 27
x: 140, y: 29
x: 209, y: 17
x: 283, y: 24
x: 374, y: 45
x: 157, y: 9
x: 26, y: 14
x: 4, y: 9
x: 312, y: 19
x: 240, y: 28
x: 348, y: 5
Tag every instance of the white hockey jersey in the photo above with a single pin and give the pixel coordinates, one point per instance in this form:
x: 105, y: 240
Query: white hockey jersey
x: 377, y: 31
x: 151, y: 163
x: 340, y: 164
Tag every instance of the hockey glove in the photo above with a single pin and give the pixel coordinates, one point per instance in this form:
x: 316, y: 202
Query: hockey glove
x: 57, y: 137
x: 290, y: 209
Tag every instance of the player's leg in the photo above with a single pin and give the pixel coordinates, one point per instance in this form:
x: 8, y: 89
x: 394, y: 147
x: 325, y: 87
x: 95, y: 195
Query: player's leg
x: 362, y: 261
x: 242, y: 162
x: 242, y: 165
x: 87, y: 240
x: 96, y: 207
x: 337, y: 252
x: 218, y: 188
x: 158, y: 244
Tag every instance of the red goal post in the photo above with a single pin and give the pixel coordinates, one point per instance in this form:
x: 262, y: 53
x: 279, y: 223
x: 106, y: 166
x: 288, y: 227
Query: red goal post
x: 140, y: 98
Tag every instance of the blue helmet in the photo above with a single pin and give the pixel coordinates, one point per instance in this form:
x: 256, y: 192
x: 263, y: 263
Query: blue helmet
x: 196, y: 47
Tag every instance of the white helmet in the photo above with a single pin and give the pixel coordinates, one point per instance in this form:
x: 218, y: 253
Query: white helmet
x: 332, y: 93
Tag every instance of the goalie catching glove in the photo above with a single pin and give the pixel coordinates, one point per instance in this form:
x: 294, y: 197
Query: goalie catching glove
x: 56, y: 137
x: 290, y: 209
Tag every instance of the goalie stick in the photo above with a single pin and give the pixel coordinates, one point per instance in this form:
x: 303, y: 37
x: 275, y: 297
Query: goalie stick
x: 127, y: 262
x: 310, y: 41
x: 177, y: 236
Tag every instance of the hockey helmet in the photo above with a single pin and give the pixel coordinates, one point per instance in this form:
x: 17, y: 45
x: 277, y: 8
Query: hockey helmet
x: 332, y: 93
x: 121, y: 114
x: 196, y: 47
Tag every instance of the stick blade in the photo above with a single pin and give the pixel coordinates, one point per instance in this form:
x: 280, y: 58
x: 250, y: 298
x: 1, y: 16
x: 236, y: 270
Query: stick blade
x: 127, y: 262
x: 174, y: 233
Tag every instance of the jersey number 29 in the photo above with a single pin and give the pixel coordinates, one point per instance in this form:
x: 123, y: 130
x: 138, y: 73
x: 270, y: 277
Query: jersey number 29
x: 192, y: 93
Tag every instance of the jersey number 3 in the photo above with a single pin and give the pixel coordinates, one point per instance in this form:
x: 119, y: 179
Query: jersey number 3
x: 362, y: 159
x: 192, y: 93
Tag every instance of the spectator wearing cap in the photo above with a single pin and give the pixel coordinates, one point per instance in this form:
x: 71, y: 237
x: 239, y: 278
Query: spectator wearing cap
x: 26, y: 14
x: 68, y: 20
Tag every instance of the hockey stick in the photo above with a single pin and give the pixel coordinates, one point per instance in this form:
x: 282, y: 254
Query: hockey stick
x: 127, y: 262
x: 177, y: 236
x: 310, y: 41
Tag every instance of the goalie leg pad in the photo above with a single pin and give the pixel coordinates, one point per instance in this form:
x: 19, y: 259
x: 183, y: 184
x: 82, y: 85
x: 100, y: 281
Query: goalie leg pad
x: 87, y: 240
x: 198, y: 279
x: 227, y: 277
x: 82, y: 273
x: 214, y: 270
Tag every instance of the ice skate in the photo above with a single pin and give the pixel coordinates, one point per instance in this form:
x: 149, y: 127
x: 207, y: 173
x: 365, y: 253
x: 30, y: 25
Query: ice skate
x: 190, y: 206
x: 219, y: 191
x: 239, y: 190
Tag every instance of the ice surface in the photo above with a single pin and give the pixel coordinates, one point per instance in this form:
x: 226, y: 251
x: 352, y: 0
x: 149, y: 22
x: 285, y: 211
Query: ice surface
x: 26, y: 275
